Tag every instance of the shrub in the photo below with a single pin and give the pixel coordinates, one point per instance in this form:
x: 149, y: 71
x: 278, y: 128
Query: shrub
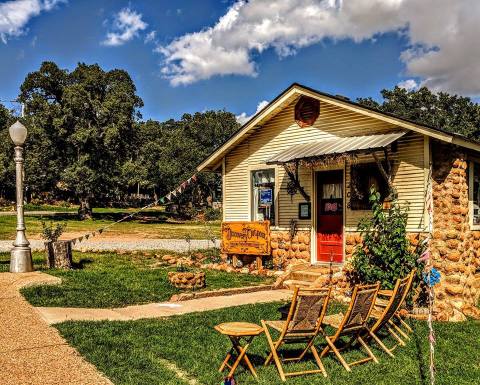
x: 212, y: 214
x: 386, y: 253
x: 51, y: 232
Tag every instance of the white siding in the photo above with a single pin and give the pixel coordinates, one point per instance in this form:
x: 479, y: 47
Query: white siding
x: 282, y: 132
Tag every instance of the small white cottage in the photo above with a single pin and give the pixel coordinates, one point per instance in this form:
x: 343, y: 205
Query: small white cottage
x: 306, y: 163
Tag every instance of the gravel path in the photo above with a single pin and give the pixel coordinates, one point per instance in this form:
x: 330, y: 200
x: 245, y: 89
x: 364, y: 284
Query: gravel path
x: 176, y: 245
x: 31, y: 352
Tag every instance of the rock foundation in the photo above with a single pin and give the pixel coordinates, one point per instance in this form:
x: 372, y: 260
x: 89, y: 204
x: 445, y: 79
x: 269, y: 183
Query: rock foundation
x: 455, y: 247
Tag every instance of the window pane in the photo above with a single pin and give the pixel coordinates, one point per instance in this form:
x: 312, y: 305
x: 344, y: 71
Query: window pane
x: 263, y: 194
x: 363, y: 177
x: 476, y: 193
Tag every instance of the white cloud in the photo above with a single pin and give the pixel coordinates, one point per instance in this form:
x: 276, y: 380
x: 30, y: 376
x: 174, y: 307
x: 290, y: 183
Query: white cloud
x: 409, y: 84
x: 15, y: 15
x: 150, y: 37
x: 443, y: 43
x: 244, y: 118
x: 126, y: 25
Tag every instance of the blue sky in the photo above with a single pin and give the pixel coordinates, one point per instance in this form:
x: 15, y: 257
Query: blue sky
x: 188, y: 56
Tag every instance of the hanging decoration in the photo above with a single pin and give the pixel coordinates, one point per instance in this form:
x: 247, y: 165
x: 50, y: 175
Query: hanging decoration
x: 168, y: 197
x: 292, y: 171
x: 431, y: 276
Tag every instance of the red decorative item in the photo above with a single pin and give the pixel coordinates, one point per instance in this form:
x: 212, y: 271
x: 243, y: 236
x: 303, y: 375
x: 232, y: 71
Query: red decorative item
x: 306, y: 111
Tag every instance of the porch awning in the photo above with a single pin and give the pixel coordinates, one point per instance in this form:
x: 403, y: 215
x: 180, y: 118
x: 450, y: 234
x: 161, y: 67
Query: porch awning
x: 335, y: 146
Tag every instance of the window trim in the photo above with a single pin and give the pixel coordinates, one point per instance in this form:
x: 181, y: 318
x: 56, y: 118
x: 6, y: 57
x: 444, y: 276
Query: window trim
x: 471, y: 165
x: 260, y: 167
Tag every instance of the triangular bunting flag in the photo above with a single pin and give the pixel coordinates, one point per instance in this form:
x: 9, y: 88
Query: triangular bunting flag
x: 73, y: 241
x: 194, y: 177
x: 86, y: 236
x: 80, y: 239
x: 100, y: 231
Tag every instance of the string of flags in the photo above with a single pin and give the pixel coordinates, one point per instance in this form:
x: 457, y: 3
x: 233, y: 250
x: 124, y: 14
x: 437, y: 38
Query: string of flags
x: 164, y: 199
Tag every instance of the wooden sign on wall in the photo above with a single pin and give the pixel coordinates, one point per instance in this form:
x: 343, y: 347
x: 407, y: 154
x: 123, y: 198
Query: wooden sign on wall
x: 251, y: 238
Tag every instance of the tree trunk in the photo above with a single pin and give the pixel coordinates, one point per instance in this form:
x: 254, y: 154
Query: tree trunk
x: 85, y: 210
x: 59, y: 254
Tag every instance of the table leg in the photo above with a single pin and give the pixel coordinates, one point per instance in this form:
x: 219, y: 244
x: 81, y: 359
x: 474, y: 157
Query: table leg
x: 242, y: 355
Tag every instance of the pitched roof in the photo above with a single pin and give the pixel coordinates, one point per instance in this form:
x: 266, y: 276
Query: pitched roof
x: 213, y: 160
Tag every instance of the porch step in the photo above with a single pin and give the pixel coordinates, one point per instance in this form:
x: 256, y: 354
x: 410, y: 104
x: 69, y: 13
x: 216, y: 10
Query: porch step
x: 291, y: 283
x: 308, y: 275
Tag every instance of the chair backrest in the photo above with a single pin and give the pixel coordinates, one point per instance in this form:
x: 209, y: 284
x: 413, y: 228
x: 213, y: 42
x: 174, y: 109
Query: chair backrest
x: 361, y: 305
x: 400, y: 291
x: 307, y: 310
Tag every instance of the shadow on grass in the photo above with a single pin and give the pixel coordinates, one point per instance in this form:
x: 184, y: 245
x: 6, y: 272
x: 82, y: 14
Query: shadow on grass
x: 422, y: 365
x: 144, y: 217
x: 82, y: 263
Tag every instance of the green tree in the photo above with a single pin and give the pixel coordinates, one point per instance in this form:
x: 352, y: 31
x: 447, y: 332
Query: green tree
x: 7, y: 169
x: 169, y: 152
x: 452, y: 113
x: 85, y: 120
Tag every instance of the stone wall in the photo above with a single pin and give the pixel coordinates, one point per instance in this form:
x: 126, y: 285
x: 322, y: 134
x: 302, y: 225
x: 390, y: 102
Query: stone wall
x: 287, y: 251
x: 455, y: 248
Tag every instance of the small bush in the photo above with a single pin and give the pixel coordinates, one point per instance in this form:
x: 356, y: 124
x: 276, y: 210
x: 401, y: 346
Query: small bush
x: 51, y: 232
x: 213, y: 214
x: 386, y: 254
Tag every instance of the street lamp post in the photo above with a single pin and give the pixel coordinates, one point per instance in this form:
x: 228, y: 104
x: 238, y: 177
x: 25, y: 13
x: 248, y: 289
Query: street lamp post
x: 21, y: 254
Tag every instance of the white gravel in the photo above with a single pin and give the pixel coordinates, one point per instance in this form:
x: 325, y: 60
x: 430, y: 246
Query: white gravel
x: 178, y: 245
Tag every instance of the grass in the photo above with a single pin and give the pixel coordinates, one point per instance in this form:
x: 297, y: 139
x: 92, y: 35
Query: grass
x: 153, y: 223
x: 106, y: 280
x: 134, y: 352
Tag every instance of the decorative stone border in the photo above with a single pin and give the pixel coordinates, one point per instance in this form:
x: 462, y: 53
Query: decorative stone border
x: 187, y: 280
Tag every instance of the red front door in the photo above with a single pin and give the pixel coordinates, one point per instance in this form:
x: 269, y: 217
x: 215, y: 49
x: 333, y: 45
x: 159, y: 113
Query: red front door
x: 330, y: 216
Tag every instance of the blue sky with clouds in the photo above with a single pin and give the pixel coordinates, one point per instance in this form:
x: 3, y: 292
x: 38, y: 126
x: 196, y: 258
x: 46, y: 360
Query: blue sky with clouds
x: 188, y: 56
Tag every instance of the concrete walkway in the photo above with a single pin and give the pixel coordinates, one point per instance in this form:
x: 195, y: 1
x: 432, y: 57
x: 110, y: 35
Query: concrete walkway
x: 53, y: 315
x: 31, y: 352
x: 105, y: 244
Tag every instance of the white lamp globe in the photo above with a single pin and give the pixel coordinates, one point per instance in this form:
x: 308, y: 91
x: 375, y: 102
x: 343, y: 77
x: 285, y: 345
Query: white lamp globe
x: 18, y: 133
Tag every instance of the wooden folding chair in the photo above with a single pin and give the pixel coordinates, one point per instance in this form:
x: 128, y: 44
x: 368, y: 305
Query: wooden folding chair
x: 303, y: 324
x: 382, y: 303
x: 353, y: 324
x: 385, y: 314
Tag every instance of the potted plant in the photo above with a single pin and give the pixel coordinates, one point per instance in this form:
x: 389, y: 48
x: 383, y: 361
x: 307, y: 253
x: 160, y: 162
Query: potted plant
x: 59, y: 253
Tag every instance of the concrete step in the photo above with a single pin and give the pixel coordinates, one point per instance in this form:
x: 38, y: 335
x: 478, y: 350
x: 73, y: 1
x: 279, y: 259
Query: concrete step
x: 291, y: 283
x: 307, y: 275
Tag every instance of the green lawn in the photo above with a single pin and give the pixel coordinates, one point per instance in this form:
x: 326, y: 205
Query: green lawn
x: 134, y: 352
x: 102, y: 280
x: 153, y: 223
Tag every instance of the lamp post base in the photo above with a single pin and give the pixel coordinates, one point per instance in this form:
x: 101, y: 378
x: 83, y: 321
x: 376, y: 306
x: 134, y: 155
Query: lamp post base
x: 21, y: 260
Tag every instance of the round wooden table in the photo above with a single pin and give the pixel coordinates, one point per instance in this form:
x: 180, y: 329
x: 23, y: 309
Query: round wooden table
x: 241, y: 335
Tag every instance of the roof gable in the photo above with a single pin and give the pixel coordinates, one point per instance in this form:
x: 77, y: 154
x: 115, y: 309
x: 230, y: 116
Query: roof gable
x: 295, y: 90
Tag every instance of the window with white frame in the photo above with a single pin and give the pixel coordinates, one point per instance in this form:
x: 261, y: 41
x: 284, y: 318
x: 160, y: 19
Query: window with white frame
x: 263, y: 195
x: 475, y: 192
